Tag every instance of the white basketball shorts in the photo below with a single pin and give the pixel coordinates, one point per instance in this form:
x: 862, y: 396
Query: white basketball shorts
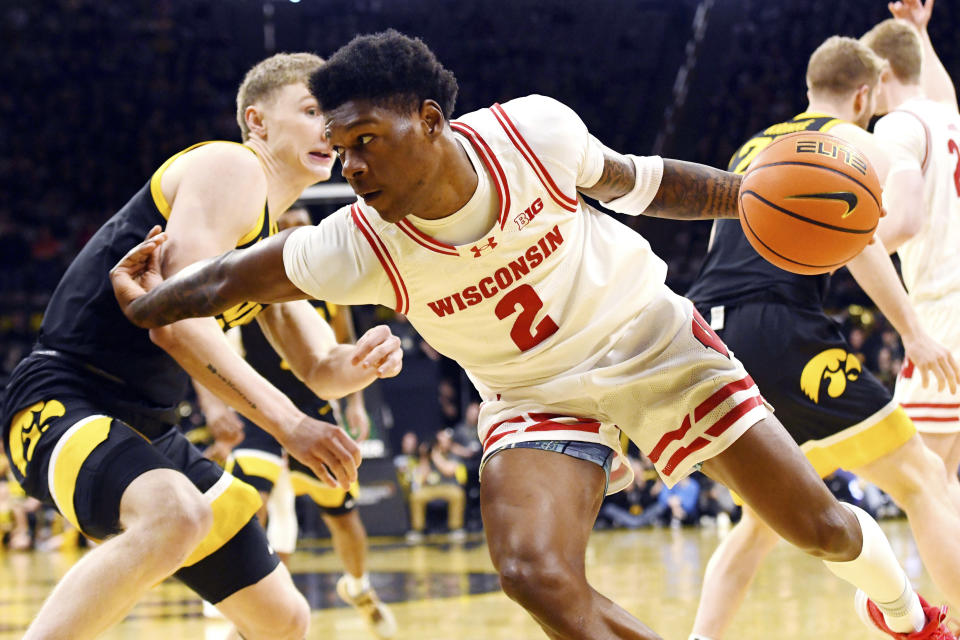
x: 669, y: 383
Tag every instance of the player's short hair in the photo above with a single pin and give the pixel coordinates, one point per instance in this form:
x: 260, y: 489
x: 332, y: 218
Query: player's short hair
x: 899, y: 44
x: 842, y: 65
x: 271, y: 74
x: 387, y: 68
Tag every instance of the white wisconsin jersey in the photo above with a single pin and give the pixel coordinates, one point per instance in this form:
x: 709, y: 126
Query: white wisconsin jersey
x: 928, y: 133
x: 545, y: 292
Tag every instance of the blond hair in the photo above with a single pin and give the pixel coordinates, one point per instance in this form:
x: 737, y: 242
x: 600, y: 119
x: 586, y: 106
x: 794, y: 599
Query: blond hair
x: 899, y: 43
x: 271, y: 74
x: 841, y: 66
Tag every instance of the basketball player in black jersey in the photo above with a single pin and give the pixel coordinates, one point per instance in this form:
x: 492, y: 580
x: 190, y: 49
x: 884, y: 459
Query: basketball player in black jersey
x: 88, y: 416
x: 837, y: 411
x: 259, y: 461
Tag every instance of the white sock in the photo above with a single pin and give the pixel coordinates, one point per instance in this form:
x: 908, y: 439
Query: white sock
x: 877, y: 573
x: 356, y: 586
x: 697, y: 636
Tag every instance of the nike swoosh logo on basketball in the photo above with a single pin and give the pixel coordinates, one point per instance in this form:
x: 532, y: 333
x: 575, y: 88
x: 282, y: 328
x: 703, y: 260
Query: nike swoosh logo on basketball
x: 843, y: 196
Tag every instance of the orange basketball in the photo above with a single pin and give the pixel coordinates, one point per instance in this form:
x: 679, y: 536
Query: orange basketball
x: 809, y: 202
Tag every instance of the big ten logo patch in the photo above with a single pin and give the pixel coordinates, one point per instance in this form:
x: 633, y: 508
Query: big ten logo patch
x: 26, y: 429
x: 836, y: 366
x: 528, y: 214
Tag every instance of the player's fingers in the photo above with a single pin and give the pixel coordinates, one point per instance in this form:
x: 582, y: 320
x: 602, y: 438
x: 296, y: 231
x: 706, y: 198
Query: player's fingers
x: 369, y: 341
x: 954, y: 372
x: 924, y: 377
x: 391, y: 366
x: 379, y: 354
x: 351, y: 448
x: 154, y: 231
x: 341, y: 462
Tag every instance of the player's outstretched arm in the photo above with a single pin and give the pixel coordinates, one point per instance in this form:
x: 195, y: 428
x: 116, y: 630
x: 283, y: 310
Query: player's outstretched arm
x: 687, y: 191
x: 691, y: 191
x: 203, y: 289
x: 876, y: 275
x: 937, y: 84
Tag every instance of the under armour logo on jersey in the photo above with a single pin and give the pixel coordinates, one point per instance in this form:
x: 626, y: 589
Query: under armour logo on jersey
x: 529, y: 213
x: 479, y: 249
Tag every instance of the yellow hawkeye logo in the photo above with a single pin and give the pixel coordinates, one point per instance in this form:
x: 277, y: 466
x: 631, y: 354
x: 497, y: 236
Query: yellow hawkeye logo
x: 843, y: 196
x: 27, y: 427
x: 835, y: 365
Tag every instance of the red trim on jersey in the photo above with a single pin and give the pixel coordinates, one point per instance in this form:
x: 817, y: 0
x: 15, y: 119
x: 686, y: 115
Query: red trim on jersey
x: 669, y: 437
x: 682, y: 453
x: 926, y: 132
x: 565, y: 201
x: 493, y: 167
x: 929, y: 405
x: 932, y: 419
x: 380, y: 250
x: 719, y: 396
x: 426, y: 241
x: 733, y: 415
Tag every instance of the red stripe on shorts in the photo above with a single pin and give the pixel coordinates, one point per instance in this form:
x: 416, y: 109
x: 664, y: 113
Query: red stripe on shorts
x: 733, y: 415
x: 714, y: 401
x: 669, y: 437
x: 929, y: 405
x: 681, y: 454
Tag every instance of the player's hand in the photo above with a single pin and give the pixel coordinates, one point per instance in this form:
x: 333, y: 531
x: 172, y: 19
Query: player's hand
x: 219, y: 451
x: 139, y: 271
x: 929, y: 357
x: 357, y: 419
x: 380, y: 350
x: 913, y: 11
x: 326, y: 449
x: 225, y: 425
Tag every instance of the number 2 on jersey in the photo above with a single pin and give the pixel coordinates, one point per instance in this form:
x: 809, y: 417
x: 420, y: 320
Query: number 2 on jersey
x: 953, y: 148
x: 524, y: 334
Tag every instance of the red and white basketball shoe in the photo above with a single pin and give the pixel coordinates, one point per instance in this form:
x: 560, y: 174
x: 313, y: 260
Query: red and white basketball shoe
x: 935, y: 629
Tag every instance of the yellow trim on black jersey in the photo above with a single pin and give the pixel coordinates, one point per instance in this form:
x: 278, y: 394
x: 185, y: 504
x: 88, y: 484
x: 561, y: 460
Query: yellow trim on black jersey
x: 805, y: 121
x: 160, y: 201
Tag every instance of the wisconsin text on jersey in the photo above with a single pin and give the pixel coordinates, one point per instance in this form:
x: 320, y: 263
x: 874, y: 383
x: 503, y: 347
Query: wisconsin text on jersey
x: 489, y: 286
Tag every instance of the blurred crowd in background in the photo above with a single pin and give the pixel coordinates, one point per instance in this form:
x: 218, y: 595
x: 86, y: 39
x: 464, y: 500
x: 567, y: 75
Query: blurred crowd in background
x: 98, y: 94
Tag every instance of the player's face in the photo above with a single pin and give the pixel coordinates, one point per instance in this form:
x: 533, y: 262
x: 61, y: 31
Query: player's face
x: 386, y: 156
x: 295, y: 132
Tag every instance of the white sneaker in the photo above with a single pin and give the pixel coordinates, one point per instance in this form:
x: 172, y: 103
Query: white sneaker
x: 414, y: 537
x: 458, y: 535
x: 378, y: 617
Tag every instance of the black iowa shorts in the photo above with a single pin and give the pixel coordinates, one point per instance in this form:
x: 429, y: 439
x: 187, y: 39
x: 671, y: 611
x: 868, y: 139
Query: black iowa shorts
x: 258, y: 461
x: 68, y: 451
x: 839, y: 413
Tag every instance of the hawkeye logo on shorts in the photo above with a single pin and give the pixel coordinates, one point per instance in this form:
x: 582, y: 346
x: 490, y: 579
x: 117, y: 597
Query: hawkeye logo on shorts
x: 27, y: 427
x: 843, y: 196
x: 834, y: 365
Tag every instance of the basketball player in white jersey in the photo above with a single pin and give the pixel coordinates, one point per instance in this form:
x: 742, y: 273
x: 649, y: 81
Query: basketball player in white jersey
x: 922, y: 131
x: 473, y: 229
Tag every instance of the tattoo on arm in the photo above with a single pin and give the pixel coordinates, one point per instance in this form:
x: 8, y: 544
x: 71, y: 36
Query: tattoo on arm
x: 193, y: 293
x: 230, y: 384
x: 618, y: 178
x: 692, y: 191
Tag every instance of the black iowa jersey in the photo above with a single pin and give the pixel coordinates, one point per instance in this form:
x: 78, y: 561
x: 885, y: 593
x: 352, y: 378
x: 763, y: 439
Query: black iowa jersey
x: 733, y: 271
x: 84, y: 324
x: 262, y: 357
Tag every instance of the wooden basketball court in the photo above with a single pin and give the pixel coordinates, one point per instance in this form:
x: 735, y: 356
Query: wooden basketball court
x: 440, y: 591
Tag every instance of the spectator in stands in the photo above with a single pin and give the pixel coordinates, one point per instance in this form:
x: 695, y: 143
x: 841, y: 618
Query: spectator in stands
x: 438, y: 476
